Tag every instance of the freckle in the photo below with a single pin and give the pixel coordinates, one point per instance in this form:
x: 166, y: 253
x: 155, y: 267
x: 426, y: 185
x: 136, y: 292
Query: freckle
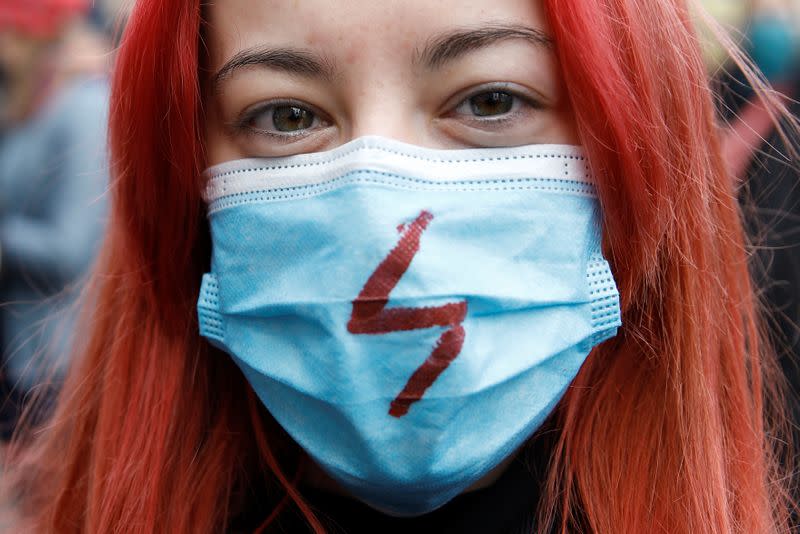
x: 312, y: 38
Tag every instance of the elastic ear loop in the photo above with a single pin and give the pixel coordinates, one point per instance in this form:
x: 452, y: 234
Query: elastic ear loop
x: 209, y: 317
x: 606, y: 317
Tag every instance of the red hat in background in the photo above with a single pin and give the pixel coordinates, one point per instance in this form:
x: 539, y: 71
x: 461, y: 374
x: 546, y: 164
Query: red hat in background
x: 39, y: 17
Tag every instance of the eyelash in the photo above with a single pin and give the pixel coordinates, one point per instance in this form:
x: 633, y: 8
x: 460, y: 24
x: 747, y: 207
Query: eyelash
x: 520, y: 99
x: 243, y: 124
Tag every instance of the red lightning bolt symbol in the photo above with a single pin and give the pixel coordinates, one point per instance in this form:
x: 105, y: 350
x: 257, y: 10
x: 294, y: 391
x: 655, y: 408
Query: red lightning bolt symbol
x: 370, y: 315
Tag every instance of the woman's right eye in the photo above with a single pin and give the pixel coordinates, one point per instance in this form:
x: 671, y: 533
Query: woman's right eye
x: 281, y: 119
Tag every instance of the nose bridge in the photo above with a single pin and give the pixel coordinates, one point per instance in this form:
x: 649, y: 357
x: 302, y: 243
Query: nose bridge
x: 381, y: 86
x: 386, y: 109
x: 383, y: 100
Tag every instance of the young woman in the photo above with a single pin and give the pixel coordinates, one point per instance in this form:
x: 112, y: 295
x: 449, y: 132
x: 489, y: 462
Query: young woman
x: 386, y: 305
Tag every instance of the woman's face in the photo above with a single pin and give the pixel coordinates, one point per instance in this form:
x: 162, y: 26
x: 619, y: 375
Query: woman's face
x: 293, y: 76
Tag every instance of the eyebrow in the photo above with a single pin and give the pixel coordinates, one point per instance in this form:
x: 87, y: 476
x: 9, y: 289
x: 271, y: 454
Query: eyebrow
x: 437, y: 52
x: 455, y: 44
x: 295, y: 61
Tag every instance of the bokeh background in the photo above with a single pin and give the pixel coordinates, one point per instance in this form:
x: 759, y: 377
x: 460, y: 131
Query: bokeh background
x: 55, y: 59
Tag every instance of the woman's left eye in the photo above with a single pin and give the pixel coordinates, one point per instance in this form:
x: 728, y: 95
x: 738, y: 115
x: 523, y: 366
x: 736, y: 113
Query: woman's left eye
x: 495, y: 114
x: 490, y: 104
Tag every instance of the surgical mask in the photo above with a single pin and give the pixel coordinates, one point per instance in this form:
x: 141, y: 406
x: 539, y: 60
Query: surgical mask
x: 410, y: 316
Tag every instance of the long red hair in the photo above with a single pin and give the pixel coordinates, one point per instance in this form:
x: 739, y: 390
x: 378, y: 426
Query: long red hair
x: 668, y: 427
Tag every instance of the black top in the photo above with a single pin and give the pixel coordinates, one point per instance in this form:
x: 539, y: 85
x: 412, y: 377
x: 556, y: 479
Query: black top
x: 508, y: 506
x: 505, y: 507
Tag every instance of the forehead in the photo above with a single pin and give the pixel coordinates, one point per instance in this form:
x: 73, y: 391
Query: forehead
x: 352, y: 30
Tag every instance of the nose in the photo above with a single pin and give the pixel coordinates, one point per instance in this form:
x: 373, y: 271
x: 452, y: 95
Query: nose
x: 381, y: 117
x: 392, y: 110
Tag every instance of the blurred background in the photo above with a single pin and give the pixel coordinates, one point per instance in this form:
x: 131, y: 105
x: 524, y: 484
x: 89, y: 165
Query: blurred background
x: 760, y: 158
x: 55, y: 57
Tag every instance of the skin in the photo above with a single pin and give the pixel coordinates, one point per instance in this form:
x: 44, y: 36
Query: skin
x: 20, y: 56
x: 379, y: 84
x: 335, y: 70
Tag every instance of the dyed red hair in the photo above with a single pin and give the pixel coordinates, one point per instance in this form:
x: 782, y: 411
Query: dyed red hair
x: 666, y: 428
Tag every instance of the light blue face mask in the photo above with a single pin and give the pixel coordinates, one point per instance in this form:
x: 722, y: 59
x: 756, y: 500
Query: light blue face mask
x: 410, y: 316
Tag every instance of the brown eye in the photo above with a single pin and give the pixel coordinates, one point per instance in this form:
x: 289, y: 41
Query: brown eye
x: 491, y: 103
x: 292, y: 118
x: 493, y: 114
x: 280, y: 118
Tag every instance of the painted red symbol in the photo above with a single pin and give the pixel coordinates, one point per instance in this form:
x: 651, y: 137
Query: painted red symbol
x: 370, y: 315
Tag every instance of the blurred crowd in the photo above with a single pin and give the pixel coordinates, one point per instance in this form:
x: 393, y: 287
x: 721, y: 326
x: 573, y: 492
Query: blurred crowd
x: 55, y: 57
x: 764, y: 160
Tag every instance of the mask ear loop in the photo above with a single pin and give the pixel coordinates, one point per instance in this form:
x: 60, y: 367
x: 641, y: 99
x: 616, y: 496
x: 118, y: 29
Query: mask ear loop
x: 604, y: 298
x: 208, y: 315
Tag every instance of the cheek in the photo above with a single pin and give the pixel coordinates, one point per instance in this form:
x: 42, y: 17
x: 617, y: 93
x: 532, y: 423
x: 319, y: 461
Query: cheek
x: 219, y: 146
x: 563, y: 126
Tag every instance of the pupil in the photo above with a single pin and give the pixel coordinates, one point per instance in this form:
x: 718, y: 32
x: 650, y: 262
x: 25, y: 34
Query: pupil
x: 292, y: 118
x: 493, y: 103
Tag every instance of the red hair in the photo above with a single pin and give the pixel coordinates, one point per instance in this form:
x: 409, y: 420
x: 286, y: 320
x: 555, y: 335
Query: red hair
x: 666, y: 427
